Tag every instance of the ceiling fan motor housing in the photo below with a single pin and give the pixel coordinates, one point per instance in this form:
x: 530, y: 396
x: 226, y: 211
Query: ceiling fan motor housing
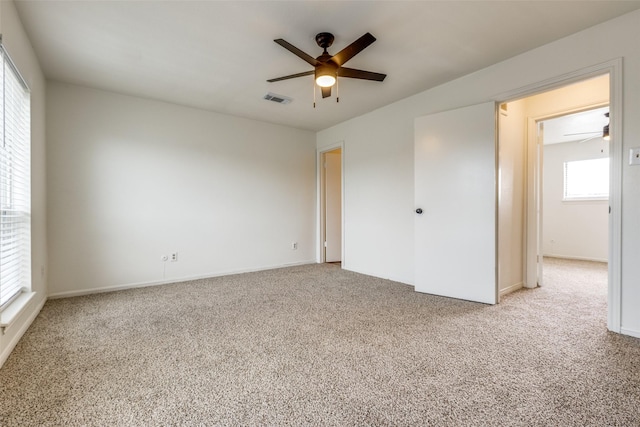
x: 324, y: 40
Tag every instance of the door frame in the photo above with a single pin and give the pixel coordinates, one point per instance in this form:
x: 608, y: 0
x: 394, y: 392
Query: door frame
x: 614, y: 69
x: 320, y: 200
x: 534, y: 179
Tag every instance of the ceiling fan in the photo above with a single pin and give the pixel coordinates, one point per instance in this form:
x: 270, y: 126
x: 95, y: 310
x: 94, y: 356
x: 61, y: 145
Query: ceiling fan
x: 328, y: 68
x: 604, y: 133
x: 598, y: 132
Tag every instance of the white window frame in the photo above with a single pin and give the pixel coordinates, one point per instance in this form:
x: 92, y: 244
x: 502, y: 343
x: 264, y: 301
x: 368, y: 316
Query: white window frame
x: 15, y: 189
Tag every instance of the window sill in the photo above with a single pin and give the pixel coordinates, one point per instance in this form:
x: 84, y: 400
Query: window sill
x: 11, y: 313
x: 586, y: 199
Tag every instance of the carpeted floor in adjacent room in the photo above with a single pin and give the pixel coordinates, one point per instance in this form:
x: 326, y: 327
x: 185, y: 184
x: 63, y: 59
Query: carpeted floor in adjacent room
x: 317, y: 345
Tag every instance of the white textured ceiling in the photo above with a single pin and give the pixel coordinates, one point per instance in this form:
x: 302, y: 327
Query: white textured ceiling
x: 217, y: 55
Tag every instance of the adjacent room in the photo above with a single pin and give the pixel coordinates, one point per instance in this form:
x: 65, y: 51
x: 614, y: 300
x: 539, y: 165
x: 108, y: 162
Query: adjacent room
x: 554, y: 184
x: 319, y: 213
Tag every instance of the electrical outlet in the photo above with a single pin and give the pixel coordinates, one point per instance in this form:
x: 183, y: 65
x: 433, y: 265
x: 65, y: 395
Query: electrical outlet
x: 294, y: 245
x: 164, y: 258
x: 174, y: 257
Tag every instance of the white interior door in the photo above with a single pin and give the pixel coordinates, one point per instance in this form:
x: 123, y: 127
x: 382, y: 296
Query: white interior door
x: 333, y: 206
x: 455, y: 187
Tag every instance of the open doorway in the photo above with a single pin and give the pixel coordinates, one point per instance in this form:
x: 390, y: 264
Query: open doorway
x: 575, y: 201
x: 575, y: 192
x: 532, y: 158
x: 331, y: 206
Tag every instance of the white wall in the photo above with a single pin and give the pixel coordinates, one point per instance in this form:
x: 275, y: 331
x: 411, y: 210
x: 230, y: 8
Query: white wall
x: 573, y: 229
x: 130, y: 180
x: 511, y: 196
x: 378, y: 193
x: 378, y: 152
x: 19, y: 47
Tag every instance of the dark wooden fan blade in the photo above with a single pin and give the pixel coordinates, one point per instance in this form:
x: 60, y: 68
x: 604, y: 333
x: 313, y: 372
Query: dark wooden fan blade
x: 292, y: 76
x: 360, y: 74
x: 326, y: 92
x: 291, y: 48
x: 353, y: 49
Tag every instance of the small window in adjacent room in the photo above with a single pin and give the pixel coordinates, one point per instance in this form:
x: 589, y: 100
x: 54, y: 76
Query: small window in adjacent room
x: 15, y: 184
x: 586, y: 179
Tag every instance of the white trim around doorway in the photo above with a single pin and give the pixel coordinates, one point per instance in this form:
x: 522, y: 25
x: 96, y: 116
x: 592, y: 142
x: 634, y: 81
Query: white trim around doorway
x: 614, y: 69
x: 320, y: 203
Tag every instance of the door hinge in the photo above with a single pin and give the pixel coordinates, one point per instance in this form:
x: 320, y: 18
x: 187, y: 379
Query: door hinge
x: 325, y: 244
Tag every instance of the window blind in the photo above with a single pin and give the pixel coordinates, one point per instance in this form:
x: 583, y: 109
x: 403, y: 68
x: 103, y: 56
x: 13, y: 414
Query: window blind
x: 586, y: 179
x: 15, y: 183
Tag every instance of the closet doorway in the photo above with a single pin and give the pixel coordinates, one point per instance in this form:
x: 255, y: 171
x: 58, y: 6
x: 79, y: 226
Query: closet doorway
x: 331, y: 206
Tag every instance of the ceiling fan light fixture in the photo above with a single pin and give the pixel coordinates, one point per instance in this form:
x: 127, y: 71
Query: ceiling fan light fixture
x: 325, y: 81
x: 326, y: 75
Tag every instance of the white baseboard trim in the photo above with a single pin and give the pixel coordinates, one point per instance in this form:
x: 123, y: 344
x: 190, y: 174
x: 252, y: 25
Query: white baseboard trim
x: 511, y: 288
x: 113, y: 288
x: 630, y: 332
x: 14, y: 341
x: 577, y: 258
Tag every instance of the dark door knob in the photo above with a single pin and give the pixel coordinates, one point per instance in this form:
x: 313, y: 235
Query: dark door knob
x: 419, y: 211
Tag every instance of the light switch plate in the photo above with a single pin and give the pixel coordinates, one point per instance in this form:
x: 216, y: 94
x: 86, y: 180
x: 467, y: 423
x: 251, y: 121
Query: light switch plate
x: 634, y: 156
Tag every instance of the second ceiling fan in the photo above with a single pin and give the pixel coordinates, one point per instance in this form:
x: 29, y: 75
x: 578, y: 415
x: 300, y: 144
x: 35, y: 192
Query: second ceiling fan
x: 328, y: 68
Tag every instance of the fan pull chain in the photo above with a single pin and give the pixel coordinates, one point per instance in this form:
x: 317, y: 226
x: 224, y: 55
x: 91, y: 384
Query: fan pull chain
x: 314, y: 94
x: 337, y: 89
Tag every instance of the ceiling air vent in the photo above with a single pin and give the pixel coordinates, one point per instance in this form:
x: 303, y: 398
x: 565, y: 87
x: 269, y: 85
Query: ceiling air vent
x: 280, y: 99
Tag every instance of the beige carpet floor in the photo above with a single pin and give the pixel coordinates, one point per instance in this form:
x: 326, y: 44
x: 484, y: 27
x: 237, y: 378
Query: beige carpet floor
x: 317, y: 345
